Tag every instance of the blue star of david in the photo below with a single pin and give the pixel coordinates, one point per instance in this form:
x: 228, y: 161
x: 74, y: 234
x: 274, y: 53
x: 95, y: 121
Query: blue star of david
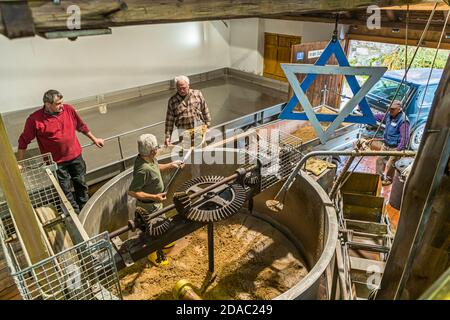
x: 350, y: 73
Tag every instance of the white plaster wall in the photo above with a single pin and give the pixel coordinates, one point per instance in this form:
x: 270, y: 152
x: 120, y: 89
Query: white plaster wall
x: 244, y: 39
x: 247, y: 39
x: 130, y: 57
x: 134, y: 56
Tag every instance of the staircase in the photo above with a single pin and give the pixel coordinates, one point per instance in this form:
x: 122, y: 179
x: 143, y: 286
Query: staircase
x: 365, y: 233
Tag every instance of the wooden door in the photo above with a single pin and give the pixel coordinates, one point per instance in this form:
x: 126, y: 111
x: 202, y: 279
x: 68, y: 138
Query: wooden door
x: 308, y: 53
x: 277, y: 49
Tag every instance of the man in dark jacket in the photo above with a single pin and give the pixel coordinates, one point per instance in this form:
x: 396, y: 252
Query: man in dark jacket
x: 396, y: 138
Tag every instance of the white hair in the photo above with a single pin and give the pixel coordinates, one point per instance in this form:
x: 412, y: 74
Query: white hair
x: 182, y: 78
x: 146, y: 144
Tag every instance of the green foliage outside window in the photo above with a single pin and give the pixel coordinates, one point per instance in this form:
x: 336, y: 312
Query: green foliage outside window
x: 423, y: 59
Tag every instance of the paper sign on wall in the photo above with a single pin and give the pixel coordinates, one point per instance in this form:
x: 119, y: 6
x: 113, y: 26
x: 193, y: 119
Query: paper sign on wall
x: 314, y: 54
x: 300, y: 56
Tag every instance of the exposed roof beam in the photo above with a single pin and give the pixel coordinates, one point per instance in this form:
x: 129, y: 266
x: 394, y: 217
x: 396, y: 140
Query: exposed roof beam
x: 424, y: 6
x: 361, y: 22
x: 48, y: 16
x: 392, y: 15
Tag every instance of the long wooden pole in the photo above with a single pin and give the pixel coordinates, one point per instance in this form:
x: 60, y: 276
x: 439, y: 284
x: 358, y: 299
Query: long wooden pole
x: 44, y: 16
x: 16, y: 196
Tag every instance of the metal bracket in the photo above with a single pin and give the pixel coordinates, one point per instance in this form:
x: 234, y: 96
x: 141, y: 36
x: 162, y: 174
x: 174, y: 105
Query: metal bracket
x: 122, y: 251
x: 54, y: 222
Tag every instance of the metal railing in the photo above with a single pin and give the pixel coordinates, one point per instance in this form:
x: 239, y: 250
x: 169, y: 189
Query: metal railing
x: 79, y: 267
x: 277, y: 151
x: 124, y: 155
x: 39, y: 188
x: 84, y: 272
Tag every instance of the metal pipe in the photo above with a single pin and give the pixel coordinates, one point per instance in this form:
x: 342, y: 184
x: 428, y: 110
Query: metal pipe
x: 222, y: 125
x: 276, y: 109
x: 126, y: 133
x: 119, y: 141
x: 119, y: 231
x: 353, y: 153
x: 177, y: 170
x: 184, y: 290
x: 211, y: 247
x: 368, y: 247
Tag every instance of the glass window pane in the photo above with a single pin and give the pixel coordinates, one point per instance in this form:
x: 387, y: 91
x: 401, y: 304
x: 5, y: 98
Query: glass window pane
x: 386, y: 89
x: 429, y: 96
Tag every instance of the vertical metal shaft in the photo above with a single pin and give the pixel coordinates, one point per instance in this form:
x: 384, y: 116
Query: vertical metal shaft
x: 211, y: 247
x: 121, y: 153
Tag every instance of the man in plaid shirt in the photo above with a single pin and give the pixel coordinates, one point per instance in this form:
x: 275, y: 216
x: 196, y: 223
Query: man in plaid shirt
x: 187, y: 109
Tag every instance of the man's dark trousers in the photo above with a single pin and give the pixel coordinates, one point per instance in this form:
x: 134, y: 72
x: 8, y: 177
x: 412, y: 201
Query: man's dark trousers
x: 73, y: 172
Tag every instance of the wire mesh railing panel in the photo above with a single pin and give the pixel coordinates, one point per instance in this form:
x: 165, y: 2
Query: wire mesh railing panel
x: 39, y: 186
x: 277, y: 151
x: 84, y: 272
x: 6, y: 222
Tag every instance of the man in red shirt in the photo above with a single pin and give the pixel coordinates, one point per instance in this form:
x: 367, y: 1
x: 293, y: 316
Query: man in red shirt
x: 54, y: 127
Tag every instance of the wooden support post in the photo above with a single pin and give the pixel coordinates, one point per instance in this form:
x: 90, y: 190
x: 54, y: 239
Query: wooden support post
x: 19, y: 203
x: 421, y: 235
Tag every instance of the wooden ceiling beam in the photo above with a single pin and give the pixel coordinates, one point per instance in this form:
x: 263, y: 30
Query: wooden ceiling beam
x: 424, y: 6
x: 362, y: 22
x: 392, y: 15
x: 386, y: 35
x: 48, y: 16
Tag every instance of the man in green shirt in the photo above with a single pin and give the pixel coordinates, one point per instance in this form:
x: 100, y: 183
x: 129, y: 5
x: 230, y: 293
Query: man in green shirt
x: 147, y: 185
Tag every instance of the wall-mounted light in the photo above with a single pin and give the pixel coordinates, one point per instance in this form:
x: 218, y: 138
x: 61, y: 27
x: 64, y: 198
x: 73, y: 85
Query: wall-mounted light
x: 395, y: 30
x: 447, y: 36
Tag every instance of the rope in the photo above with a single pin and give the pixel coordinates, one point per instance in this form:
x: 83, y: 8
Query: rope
x: 403, y: 79
x: 401, y: 83
x: 406, y: 36
x: 431, y: 71
x: 409, y: 66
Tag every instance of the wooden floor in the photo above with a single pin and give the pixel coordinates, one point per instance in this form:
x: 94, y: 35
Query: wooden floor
x: 8, y: 289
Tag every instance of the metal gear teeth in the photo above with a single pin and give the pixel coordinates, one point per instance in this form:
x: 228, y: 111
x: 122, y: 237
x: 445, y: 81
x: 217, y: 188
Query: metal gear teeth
x: 199, y: 180
x: 204, y: 215
x: 155, y: 227
x: 159, y: 227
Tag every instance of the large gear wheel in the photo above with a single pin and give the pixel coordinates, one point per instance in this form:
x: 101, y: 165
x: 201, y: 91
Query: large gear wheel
x: 219, y: 204
x: 155, y: 227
